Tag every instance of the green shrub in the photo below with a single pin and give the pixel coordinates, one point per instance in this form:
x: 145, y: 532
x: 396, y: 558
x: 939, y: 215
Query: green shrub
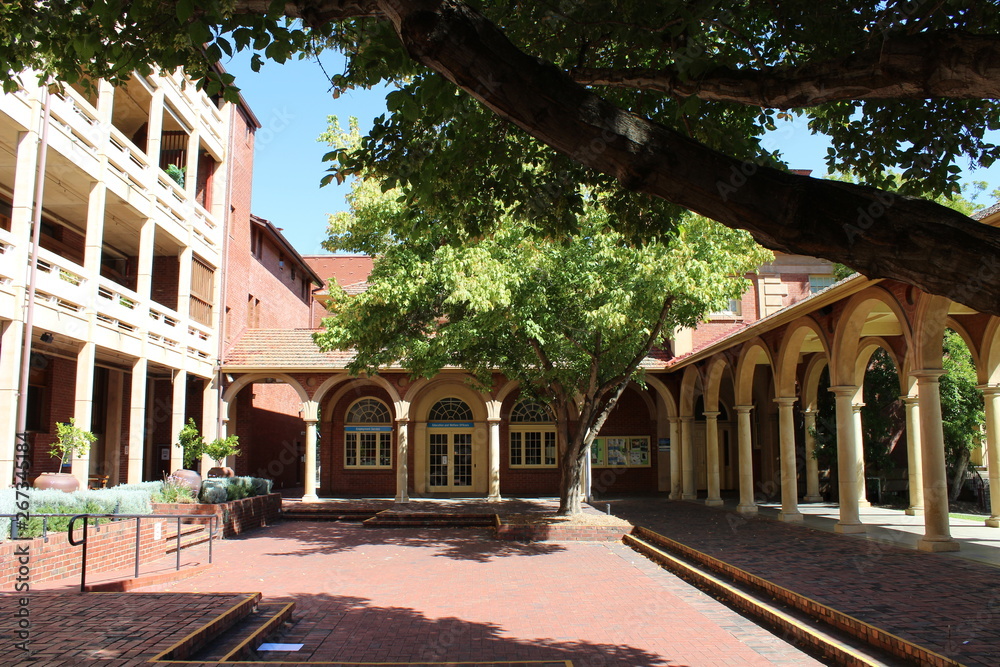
x: 213, y: 491
x: 261, y: 486
x: 116, y: 500
x: 239, y: 488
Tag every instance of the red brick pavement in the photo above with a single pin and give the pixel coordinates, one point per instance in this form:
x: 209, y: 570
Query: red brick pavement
x: 423, y: 595
x: 944, y: 603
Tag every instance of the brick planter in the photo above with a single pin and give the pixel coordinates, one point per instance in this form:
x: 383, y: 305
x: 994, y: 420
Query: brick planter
x: 112, y: 548
x: 235, y: 517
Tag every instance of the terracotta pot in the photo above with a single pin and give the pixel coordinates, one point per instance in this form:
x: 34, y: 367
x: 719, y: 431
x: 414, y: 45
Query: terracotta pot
x: 189, y: 479
x: 61, y: 481
x: 221, y: 472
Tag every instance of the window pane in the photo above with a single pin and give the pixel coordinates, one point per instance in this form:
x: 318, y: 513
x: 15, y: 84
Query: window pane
x: 550, y: 449
x: 385, y: 449
x: 351, y: 449
x: 367, y: 449
x: 515, y: 449
x: 533, y: 448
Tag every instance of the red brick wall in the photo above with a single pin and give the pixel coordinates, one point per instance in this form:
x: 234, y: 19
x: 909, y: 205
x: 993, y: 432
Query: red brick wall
x: 113, y: 548
x: 234, y: 517
x: 522, y: 481
x: 60, y: 397
x: 271, y: 434
x: 630, y: 417
x: 166, y: 274
x: 337, y: 480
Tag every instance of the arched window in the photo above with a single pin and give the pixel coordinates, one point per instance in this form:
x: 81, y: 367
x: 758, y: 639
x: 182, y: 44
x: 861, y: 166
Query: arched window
x: 532, y: 436
x: 368, y: 435
x: 450, y: 410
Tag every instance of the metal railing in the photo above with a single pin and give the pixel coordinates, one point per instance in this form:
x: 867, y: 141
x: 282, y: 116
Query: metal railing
x: 82, y: 542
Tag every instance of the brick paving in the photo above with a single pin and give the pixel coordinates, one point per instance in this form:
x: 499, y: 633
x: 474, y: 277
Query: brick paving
x: 441, y: 595
x: 949, y: 605
x: 113, y: 628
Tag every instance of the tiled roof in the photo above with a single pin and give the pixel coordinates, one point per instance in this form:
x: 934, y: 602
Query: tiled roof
x: 356, y: 288
x: 294, y: 349
x: 282, y: 348
x: 345, y: 269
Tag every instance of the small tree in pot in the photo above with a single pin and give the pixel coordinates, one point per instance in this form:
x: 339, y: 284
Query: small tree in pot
x: 219, y: 450
x: 73, y: 441
x: 190, y: 440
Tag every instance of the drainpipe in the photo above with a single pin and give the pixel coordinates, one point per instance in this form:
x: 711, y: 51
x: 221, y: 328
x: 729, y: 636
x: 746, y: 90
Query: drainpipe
x: 29, y: 316
x: 224, y: 270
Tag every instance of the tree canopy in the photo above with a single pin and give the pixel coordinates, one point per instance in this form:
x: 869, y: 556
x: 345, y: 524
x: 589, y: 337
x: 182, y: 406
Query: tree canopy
x: 669, y: 99
x: 570, y: 317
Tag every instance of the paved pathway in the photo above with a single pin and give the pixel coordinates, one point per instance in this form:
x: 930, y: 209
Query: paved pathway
x: 948, y: 604
x: 437, y: 595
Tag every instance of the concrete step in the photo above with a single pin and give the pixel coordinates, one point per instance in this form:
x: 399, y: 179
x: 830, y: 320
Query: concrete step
x: 390, y: 519
x: 318, y: 514
x: 240, y: 641
x: 805, y: 623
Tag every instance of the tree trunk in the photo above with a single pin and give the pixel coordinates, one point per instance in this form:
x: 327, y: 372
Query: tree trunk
x: 880, y: 234
x: 958, y: 475
x: 571, y: 481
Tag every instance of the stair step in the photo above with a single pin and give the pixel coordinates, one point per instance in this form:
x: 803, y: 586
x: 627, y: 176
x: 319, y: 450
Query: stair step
x: 430, y: 520
x: 240, y: 641
x: 800, y: 628
x: 301, y: 515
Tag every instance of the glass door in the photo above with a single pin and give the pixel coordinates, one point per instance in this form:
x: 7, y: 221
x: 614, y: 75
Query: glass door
x: 450, y: 466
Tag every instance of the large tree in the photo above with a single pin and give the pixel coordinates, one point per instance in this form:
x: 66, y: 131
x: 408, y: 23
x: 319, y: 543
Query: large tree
x: 668, y: 99
x: 570, y: 317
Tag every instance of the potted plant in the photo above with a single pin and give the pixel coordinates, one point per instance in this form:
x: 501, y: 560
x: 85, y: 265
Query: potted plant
x: 72, y: 441
x: 219, y: 450
x: 193, y: 445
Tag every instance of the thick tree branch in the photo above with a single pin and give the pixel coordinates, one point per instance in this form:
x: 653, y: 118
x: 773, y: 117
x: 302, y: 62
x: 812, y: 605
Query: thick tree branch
x: 313, y: 12
x: 952, y: 64
x: 877, y: 233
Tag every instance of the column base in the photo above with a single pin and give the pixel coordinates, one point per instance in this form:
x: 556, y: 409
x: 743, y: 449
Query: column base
x: 310, y: 498
x: 402, y: 499
x: 864, y: 503
x: 674, y: 496
x: 813, y: 499
x: 746, y: 509
x: 689, y: 496
x: 993, y: 522
x: 938, y: 544
x: 494, y: 499
x: 914, y: 511
x: 714, y: 502
x: 791, y: 517
x: 850, y: 528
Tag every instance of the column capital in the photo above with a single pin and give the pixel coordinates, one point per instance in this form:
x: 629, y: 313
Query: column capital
x: 493, y: 420
x: 687, y: 419
x: 927, y: 374
x: 674, y: 420
x: 989, y: 389
x: 810, y: 412
x: 743, y: 409
x: 311, y: 421
x: 786, y: 400
x: 844, y: 390
x: 402, y: 420
x: 711, y: 414
x: 912, y: 400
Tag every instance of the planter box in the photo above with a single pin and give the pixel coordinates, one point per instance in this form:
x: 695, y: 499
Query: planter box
x: 111, y: 548
x: 235, y: 517
x: 521, y: 532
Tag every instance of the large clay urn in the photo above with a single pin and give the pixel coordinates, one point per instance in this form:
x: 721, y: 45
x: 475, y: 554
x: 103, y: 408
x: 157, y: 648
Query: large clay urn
x: 219, y: 471
x: 61, y: 481
x: 189, y: 479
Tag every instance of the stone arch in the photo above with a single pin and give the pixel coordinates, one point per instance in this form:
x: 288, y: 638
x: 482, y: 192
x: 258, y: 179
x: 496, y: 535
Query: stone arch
x: 377, y: 380
x: 754, y: 352
x: 332, y: 394
x: 690, y: 383
x: 810, y: 381
x: 715, y: 370
x: 803, y: 333
x: 866, y: 348
x: 666, y: 396
x: 977, y: 359
x: 990, y: 354
x: 244, y: 380
x: 856, y: 322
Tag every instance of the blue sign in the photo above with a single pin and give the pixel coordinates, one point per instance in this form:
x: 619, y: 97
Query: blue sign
x: 368, y: 429
x: 450, y: 424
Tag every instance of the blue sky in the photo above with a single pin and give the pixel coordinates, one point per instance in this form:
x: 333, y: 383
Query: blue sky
x: 292, y: 102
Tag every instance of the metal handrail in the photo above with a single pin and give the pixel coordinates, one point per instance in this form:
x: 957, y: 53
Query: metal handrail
x: 212, y: 530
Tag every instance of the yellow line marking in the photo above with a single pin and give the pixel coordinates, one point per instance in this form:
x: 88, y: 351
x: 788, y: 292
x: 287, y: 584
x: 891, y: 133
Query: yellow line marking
x: 173, y: 647
x: 257, y: 632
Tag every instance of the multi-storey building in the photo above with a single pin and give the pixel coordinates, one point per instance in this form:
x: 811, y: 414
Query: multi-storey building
x: 139, y: 184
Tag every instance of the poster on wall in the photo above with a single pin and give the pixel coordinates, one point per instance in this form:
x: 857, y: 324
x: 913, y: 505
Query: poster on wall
x: 616, y: 451
x: 597, y: 452
x: 638, y: 452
